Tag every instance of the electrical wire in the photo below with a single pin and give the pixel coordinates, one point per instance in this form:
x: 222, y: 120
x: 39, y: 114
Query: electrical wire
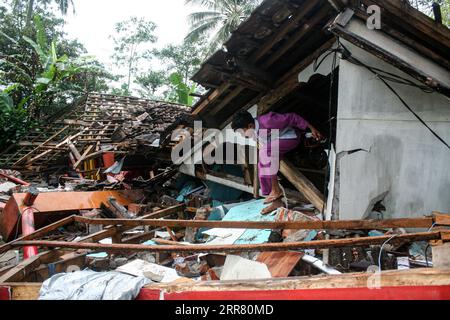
x: 385, y: 77
x: 381, y: 250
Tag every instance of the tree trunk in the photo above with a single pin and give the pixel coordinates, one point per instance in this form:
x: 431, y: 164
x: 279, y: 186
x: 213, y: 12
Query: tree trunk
x: 30, y: 12
x: 130, y: 66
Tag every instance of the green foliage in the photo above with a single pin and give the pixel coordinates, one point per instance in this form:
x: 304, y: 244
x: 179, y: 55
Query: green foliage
x: 180, y: 92
x: 172, y: 83
x: 427, y: 7
x: 14, y: 120
x: 150, y: 82
x: 218, y: 20
x: 131, y: 37
x: 54, y: 72
x: 40, y: 71
x: 122, y: 91
x: 184, y: 59
x: 63, y: 6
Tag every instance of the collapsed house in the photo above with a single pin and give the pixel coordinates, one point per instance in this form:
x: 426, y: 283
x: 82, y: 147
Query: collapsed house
x: 344, y: 78
x: 368, y: 199
x: 90, y: 132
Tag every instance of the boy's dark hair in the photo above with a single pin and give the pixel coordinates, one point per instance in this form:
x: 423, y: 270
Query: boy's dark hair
x: 242, y: 120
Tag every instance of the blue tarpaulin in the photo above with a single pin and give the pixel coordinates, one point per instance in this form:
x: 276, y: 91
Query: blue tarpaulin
x: 250, y: 211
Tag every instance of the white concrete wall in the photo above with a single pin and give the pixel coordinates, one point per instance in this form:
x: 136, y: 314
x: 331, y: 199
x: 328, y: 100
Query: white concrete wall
x: 404, y: 162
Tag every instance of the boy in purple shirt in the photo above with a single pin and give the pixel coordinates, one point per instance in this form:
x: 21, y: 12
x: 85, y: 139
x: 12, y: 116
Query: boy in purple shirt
x: 290, y: 130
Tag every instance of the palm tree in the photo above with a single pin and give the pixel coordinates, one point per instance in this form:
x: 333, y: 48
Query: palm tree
x: 62, y: 4
x: 219, y: 20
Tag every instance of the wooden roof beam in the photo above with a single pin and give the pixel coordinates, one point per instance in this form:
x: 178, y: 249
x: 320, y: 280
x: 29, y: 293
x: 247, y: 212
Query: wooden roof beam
x: 228, y: 99
x: 211, y: 97
x: 411, y: 16
x: 391, y: 59
x: 287, y: 26
x: 424, y: 50
x: 289, y: 82
x: 294, y: 40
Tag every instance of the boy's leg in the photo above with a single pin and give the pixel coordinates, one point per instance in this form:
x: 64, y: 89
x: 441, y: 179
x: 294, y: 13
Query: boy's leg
x: 283, y: 147
x: 265, y: 183
x: 264, y: 179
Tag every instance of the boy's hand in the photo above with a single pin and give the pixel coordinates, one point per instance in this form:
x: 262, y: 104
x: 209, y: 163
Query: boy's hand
x: 316, y: 134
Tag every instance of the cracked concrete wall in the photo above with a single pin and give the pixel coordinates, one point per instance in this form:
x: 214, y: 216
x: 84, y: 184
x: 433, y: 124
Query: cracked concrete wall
x: 404, y: 164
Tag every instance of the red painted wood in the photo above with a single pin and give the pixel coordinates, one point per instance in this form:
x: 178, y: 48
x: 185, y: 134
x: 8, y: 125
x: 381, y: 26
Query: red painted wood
x: 5, y: 293
x: 149, y: 294
x: 386, y: 293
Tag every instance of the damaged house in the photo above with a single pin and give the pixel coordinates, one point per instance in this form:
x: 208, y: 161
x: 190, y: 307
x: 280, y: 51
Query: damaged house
x: 380, y: 95
x: 99, y: 189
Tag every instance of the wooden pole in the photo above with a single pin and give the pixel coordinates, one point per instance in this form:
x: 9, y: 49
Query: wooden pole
x: 338, y: 243
x: 303, y: 185
x: 425, y: 222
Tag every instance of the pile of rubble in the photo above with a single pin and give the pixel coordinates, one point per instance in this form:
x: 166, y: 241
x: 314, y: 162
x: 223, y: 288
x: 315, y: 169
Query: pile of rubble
x: 131, y: 212
x: 170, y: 229
x: 80, y: 142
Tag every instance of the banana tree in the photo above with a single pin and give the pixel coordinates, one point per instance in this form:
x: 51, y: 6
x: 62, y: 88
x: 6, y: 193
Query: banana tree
x: 14, y: 120
x: 55, y: 70
x: 181, y: 92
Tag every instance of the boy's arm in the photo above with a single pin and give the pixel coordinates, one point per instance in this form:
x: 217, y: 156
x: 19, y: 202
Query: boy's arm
x: 279, y: 121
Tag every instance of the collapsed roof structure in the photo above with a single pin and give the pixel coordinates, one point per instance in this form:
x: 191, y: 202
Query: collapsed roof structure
x: 380, y: 95
x: 95, y: 125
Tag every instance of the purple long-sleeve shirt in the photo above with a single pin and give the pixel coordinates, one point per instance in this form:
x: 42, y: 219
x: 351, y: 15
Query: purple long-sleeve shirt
x: 273, y: 120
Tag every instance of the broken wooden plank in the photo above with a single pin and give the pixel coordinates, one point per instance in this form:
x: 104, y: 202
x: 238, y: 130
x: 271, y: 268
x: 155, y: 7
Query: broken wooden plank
x: 392, y: 278
x: 39, y: 233
x: 25, y: 267
x: 283, y: 30
x: 441, y: 218
x: 83, y: 156
x: 24, y: 291
x: 289, y: 82
x: 303, y: 185
x: 211, y: 97
x: 74, y: 150
x: 64, y: 142
x: 424, y: 278
x: 280, y: 264
x: 42, y: 144
x: 302, y: 31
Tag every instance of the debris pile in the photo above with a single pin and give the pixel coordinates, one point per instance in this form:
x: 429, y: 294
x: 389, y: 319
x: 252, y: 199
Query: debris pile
x: 165, y: 233
x: 130, y: 211
x: 81, y: 143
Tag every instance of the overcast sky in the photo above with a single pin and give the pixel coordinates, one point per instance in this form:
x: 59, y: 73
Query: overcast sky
x: 94, y: 22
